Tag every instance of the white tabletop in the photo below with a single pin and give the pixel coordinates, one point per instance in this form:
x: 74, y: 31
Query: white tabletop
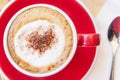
x: 101, y: 68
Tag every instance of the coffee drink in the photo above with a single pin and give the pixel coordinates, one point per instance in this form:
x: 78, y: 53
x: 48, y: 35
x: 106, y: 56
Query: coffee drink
x: 40, y: 39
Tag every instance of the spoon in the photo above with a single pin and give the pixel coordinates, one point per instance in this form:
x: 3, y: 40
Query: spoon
x: 116, y: 74
x: 114, y: 30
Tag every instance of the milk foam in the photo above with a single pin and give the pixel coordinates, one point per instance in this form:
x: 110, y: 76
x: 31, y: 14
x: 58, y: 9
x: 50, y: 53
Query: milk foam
x: 31, y: 56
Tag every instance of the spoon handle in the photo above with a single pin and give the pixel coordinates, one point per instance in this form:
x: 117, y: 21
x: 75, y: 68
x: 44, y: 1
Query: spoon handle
x: 116, y: 75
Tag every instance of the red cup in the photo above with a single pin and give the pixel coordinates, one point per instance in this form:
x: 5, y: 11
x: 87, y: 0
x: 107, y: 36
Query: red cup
x: 79, y: 40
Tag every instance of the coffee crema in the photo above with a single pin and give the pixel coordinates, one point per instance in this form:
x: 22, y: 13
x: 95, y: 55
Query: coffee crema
x: 40, y: 39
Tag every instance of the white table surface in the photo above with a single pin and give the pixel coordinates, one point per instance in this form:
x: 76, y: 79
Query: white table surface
x: 101, y: 68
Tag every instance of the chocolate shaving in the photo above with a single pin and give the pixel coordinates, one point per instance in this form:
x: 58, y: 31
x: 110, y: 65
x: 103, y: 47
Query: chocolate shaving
x: 41, y: 42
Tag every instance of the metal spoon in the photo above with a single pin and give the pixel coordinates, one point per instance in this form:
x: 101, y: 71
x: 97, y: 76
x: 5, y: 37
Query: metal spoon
x: 113, y: 34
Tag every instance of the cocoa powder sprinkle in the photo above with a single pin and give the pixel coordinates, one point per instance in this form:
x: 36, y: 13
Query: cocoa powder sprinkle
x: 43, y: 42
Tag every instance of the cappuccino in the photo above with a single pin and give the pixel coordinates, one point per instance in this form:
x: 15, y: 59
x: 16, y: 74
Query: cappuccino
x: 40, y: 39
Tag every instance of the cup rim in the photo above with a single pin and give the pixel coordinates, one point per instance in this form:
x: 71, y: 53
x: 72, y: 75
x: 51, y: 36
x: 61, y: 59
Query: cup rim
x: 60, y: 68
